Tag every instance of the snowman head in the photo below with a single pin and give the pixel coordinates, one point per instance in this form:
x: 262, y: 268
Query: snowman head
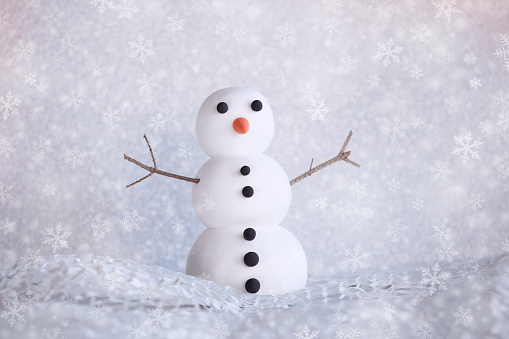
x: 234, y: 120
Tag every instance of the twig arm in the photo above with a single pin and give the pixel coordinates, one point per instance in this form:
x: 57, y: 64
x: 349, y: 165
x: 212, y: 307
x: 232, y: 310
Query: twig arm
x: 341, y: 156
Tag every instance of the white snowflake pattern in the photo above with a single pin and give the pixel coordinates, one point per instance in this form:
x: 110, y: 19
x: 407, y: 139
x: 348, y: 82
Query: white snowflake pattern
x: 357, y: 190
x: 75, y: 157
x: 69, y: 44
x: 470, y: 59
x: 132, y: 220
x: 7, y: 226
x: 112, y: 280
x: 463, y: 316
x: 175, y: 24
x: 52, y: 15
x: 418, y: 204
x: 331, y: 6
x: 136, y: 330
x: 374, y: 80
x: 445, y: 9
x: 395, y: 128
x: 306, y: 333
x: 52, y: 333
x: 159, y: 318
x: 4, y: 20
x: 126, y: 9
x: 97, y: 312
x: 424, y: 331
x: 342, y: 209
x: 321, y: 202
x: 442, y: 232
x: 220, y: 330
x: 200, y: 60
x: 285, y: 34
x: 102, y: 5
x: 14, y: 311
x: 30, y: 79
x: 177, y: 224
x: 416, y: 73
x: 446, y: 251
x: 367, y: 213
x: 503, y: 166
x: 503, y: 51
x: 349, y: 93
x: 100, y: 227
x: 184, y: 151
x: 476, y: 201
x: 148, y: 293
x: 505, y: 244
x: 6, y: 147
x: 348, y: 334
x: 434, y: 281
x: 475, y: 83
x: 347, y: 65
x: 331, y: 26
x: 9, y: 105
x: 110, y: 116
x: 209, y: 204
x: 141, y: 48
x: 24, y: 50
x: 317, y: 110
x: 441, y: 171
x: 396, y: 231
x: 147, y: 83
x: 356, y: 258
x: 310, y: 91
x: 393, y: 185
x: 57, y: 238
x: 32, y: 258
x: 74, y: 99
x: 421, y: 33
x: 451, y: 105
x: 388, y: 52
x: 5, y: 193
x: 466, y: 147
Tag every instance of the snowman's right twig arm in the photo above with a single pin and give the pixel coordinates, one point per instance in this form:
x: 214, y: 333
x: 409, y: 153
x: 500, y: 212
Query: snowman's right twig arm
x: 154, y: 169
x: 341, y: 156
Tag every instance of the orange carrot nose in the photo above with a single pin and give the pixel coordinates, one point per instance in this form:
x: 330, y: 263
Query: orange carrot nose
x: 241, y: 125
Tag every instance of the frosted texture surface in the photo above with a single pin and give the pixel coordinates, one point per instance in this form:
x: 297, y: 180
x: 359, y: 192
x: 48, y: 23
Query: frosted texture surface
x: 424, y: 85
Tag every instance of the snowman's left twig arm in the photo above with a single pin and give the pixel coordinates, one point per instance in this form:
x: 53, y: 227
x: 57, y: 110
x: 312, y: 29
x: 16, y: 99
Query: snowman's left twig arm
x: 154, y: 169
x: 341, y: 156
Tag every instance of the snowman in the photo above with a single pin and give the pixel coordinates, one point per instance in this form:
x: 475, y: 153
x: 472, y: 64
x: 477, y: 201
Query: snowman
x: 241, y: 195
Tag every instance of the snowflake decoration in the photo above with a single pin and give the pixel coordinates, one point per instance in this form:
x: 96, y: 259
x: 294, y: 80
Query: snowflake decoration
x: 475, y: 83
x: 470, y: 59
x: 306, y: 333
x: 74, y: 99
x: 367, y: 213
x: 24, y: 50
x: 132, y: 220
x: 424, y: 331
x: 205, y: 276
x: 446, y: 251
x: 331, y: 6
x: 30, y: 79
x: 209, y: 204
x: 421, y: 33
x: 113, y: 280
x: 32, y: 258
x: 321, y: 202
x: 110, y: 116
x: 349, y: 334
x: 317, y: 110
x: 184, y: 151
x: 505, y: 244
x: 285, y: 34
x: 102, y: 5
x: 331, y: 26
x: 200, y: 60
x: 7, y: 226
x: 451, y: 105
x: 147, y: 293
x: 136, y: 330
x: 75, y: 157
x: 52, y: 15
x: 388, y: 52
x: 356, y: 258
x: 396, y: 231
x: 146, y: 83
x: 416, y: 73
x: 393, y: 185
x: 220, y: 330
x: 463, y: 316
x: 347, y: 65
x: 503, y: 166
x: 6, y: 147
x: 5, y: 193
x: 9, y: 105
x: 126, y: 9
x: 441, y: 171
x: 14, y: 311
x: 177, y: 224
x: 57, y: 238
x: 476, y: 201
x: 68, y: 44
x: 342, y: 209
x: 357, y: 190
x: 141, y: 48
x: 442, y: 232
x: 97, y: 312
x: 374, y: 80
x: 175, y: 24
x: 159, y: 318
x: 100, y: 227
x: 310, y: 91
x: 500, y: 100
x: 503, y: 51
x: 466, y: 148
x: 445, y: 9
x: 434, y: 281
x: 4, y: 20
x: 395, y: 128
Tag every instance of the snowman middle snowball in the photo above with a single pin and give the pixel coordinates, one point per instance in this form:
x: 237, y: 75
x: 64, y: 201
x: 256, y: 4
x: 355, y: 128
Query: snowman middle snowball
x: 241, y: 198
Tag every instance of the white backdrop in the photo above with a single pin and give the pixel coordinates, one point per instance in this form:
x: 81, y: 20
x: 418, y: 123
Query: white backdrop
x: 424, y: 85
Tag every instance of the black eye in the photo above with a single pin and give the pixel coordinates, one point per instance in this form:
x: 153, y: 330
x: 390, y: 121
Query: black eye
x: 222, y: 107
x: 256, y: 105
